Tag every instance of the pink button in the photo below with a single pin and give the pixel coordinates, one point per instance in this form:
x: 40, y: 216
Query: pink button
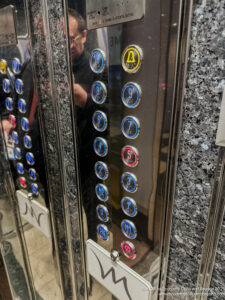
x: 128, y: 250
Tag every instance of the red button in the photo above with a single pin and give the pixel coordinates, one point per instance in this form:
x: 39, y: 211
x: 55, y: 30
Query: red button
x: 128, y: 250
x: 22, y: 181
x: 12, y: 120
x: 130, y: 156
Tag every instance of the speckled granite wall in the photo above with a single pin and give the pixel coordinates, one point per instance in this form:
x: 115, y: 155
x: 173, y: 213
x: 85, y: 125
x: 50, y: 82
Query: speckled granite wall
x: 198, y: 153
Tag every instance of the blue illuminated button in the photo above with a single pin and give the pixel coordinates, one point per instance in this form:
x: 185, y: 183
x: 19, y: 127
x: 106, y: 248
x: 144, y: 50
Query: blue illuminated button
x: 9, y: 103
x: 34, y: 188
x: 102, y: 192
x: 6, y: 86
x: 129, y: 206
x: 100, y: 147
x: 32, y: 174
x: 27, y: 142
x: 97, y: 61
x: 24, y: 124
x: 12, y: 120
x: 3, y: 66
x: 130, y: 127
x: 101, y: 170
x: 102, y: 213
x: 17, y: 153
x: 30, y: 158
x: 131, y: 94
x: 103, y: 232
x: 98, y: 92
x: 22, y: 106
x: 99, y: 121
x: 19, y: 86
x: 129, y: 182
x: 129, y: 229
x: 14, y: 135
x: 20, y: 168
x: 16, y: 66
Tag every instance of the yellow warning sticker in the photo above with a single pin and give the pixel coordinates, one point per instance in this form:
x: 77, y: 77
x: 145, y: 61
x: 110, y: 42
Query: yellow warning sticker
x: 131, y: 59
x: 3, y: 66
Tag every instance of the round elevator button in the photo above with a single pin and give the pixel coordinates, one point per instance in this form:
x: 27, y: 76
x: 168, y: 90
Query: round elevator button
x: 97, y: 61
x: 101, y: 170
x: 17, y: 153
x: 30, y: 158
x: 22, y: 106
x: 102, y: 213
x: 129, y: 229
x: 9, y: 103
x: 128, y: 249
x: 100, y: 147
x: 99, y: 121
x: 19, y: 86
x: 16, y: 66
x: 22, y: 182
x: 20, y: 169
x: 12, y: 120
x: 130, y: 156
x: 34, y: 188
x: 6, y: 86
x: 24, y: 124
x: 129, y: 206
x: 98, y: 92
x: 131, y: 94
x: 3, y: 66
x: 15, y: 138
x: 27, y: 142
x: 32, y: 174
x: 102, y: 192
x: 129, y: 182
x: 130, y: 127
x: 132, y: 58
x: 103, y: 232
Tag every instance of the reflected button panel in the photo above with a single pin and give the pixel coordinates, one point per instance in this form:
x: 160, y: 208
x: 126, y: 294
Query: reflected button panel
x: 102, y: 192
x: 103, y: 232
x: 129, y: 182
x: 6, y: 86
x: 130, y: 127
x: 99, y: 121
x: 131, y: 95
x: 130, y: 156
x: 100, y: 147
x: 129, y: 206
x: 19, y: 86
x: 101, y: 170
x: 98, y: 92
x: 97, y: 61
x: 9, y: 103
x: 132, y: 58
x: 16, y: 66
x: 102, y: 213
x: 128, y: 249
x: 129, y: 229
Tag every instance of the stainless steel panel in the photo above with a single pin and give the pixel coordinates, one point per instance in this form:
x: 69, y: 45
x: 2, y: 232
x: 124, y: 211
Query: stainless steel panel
x: 8, y: 35
x: 102, y: 13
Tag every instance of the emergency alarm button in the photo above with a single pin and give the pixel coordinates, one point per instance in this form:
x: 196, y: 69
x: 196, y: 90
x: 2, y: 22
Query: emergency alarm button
x: 99, y: 121
x: 3, y: 66
x: 129, y: 206
x: 129, y: 182
x: 131, y: 95
x: 103, y: 232
x: 130, y: 156
x: 22, y: 106
x: 19, y: 86
x: 101, y: 170
x: 97, y: 61
x: 9, y: 103
x: 98, y: 92
x: 16, y: 66
x: 100, y: 146
x: 102, y: 213
x: 130, y: 127
x: 102, y: 192
x: 132, y: 59
x: 128, y: 249
x: 6, y: 86
x: 129, y: 229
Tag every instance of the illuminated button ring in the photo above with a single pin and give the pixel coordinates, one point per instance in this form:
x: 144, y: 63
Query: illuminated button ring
x: 97, y: 61
x: 99, y: 121
x: 103, y: 232
x: 129, y: 229
x: 128, y: 249
x: 101, y: 170
x: 129, y: 182
x: 129, y: 206
x: 132, y: 59
x: 98, y: 92
x: 131, y: 95
x: 130, y: 156
x: 102, y: 213
x: 100, y: 147
x: 130, y: 127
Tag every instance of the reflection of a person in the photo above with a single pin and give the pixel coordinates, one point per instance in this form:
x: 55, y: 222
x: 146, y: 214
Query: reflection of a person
x: 85, y: 108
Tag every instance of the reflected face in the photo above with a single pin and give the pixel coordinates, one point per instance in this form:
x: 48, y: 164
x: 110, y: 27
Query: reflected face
x: 77, y: 39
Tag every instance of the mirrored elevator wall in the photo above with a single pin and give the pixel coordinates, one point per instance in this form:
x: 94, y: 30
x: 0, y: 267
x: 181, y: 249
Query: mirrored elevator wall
x: 198, y: 154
